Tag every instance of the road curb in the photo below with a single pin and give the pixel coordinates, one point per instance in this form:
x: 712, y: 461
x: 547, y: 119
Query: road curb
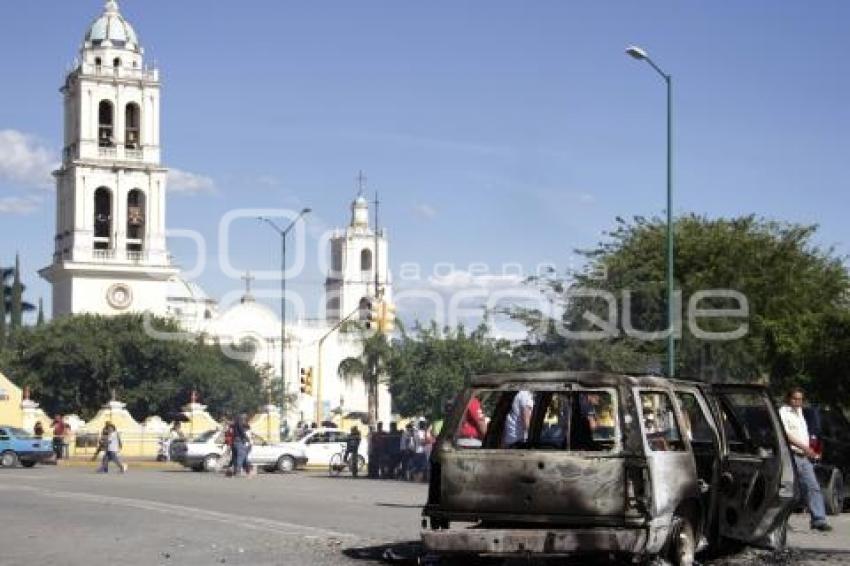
x: 147, y: 464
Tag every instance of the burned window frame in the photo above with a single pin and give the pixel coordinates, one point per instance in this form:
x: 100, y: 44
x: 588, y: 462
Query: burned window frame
x: 543, y: 395
x: 677, y: 420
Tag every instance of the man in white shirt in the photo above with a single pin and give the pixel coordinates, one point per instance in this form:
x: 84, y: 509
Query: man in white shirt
x: 518, y: 420
x: 798, y: 437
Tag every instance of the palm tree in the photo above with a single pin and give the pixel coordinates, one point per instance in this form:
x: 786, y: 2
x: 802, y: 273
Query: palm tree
x: 370, y: 367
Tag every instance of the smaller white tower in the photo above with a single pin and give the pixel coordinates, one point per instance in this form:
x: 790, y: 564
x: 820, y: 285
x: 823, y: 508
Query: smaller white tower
x: 359, y: 265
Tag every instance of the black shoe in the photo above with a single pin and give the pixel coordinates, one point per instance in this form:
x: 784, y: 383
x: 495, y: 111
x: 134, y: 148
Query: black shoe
x: 823, y: 527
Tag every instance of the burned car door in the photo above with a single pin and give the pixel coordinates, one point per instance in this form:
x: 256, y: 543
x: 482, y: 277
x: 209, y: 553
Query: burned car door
x: 671, y: 463
x: 757, y: 482
x: 562, y: 464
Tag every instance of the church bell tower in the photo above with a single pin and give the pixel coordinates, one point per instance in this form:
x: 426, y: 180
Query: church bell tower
x: 110, y: 251
x: 359, y: 270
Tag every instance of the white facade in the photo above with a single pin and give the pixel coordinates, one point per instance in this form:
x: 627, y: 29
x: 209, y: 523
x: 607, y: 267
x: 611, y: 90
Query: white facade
x: 110, y: 253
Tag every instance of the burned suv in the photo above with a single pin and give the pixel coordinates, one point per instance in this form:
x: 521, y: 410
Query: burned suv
x: 564, y: 463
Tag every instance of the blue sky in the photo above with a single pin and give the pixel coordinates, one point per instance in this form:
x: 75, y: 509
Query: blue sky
x: 496, y: 132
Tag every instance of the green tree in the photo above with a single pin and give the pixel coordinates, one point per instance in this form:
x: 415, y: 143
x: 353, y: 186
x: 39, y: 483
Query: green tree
x: 3, y: 311
x: 7, y: 283
x: 790, y: 286
x: 17, y: 297
x: 431, y: 366
x: 39, y: 321
x: 73, y: 363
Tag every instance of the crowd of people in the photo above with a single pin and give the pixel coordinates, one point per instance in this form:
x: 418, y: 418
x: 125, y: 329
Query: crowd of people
x: 401, y: 454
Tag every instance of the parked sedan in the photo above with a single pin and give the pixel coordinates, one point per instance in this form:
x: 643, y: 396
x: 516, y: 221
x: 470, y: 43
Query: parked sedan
x: 208, y: 453
x: 322, y: 443
x: 19, y: 446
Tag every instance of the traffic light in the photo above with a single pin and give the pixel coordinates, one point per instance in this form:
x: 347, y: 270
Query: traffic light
x: 387, y: 318
x: 370, y: 313
x: 307, y: 381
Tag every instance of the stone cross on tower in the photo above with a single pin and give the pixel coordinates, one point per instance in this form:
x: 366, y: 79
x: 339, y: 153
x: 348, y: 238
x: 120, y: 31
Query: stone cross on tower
x: 361, y: 182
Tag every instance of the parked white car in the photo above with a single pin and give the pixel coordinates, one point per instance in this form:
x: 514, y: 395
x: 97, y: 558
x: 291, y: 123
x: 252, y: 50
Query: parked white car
x: 322, y: 443
x: 207, y: 453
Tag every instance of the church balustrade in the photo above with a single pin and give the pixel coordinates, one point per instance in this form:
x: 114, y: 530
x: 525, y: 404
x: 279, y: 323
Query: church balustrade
x: 134, y: 255
x: 120, y: 72
x: 107, y: 152
x: 103, y: 254
x: 133, y: 154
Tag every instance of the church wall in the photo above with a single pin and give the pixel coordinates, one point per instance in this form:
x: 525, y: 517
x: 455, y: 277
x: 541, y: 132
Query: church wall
x: 89, y: 294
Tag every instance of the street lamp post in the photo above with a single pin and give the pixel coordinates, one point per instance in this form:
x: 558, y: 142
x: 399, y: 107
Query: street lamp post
x: 283, y: 233
x: 641, y: 55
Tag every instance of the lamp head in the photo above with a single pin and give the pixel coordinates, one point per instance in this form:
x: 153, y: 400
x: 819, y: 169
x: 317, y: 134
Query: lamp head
x: 637, y: 52
x: 307, y: 211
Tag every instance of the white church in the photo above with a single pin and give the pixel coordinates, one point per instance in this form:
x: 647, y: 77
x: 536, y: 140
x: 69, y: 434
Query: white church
x: 111, y: 254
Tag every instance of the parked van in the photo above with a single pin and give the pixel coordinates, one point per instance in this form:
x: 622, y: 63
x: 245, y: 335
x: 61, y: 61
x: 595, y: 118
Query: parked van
x: 610, y: 463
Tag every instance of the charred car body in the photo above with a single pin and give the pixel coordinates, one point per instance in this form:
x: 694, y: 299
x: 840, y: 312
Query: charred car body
x: 613, y: 463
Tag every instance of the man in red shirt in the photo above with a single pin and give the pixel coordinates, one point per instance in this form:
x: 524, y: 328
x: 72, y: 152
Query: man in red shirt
x: 474, y: 424
x: 58, y: 434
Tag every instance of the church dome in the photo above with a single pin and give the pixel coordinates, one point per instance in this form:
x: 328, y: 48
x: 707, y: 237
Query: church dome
x: 110, y: 29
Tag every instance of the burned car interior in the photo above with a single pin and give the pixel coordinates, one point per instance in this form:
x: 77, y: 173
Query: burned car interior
x: 572, y: 421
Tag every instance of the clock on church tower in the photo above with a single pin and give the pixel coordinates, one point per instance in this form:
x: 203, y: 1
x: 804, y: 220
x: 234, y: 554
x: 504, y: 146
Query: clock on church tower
x: 110, y: 253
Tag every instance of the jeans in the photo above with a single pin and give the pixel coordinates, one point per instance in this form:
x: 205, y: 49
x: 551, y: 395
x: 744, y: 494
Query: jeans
x: 811, y: 489
x: 240, y: 453
x: 110, y: 457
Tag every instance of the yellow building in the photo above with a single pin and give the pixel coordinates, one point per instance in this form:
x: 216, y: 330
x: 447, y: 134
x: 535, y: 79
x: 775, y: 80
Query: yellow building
x: 11, y: 397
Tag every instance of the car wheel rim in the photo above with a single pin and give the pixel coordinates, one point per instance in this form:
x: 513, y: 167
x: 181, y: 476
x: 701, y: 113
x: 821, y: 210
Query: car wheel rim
x: 8, y: 460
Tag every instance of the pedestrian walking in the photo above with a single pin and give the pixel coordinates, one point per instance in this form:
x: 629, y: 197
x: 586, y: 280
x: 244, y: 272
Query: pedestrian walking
x: 421, y: 450
x: 102, y: 439
x: 67, y: 438
x: 113, y: 449
x: 58, y: 426
x: 797, y: 431
x: 407, y: 446
x: 241, y: 444
x: 376, y: 450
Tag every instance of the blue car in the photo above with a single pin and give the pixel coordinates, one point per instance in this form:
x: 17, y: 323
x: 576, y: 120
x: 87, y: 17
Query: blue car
x: 19, y: 446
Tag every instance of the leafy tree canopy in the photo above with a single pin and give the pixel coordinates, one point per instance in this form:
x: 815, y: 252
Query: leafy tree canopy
x: 431, y: 366
x: 796, y: 294
x: 73, y: 364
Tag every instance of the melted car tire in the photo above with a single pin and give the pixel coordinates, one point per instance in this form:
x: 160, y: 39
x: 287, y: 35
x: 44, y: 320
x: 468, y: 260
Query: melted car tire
x: 682, y: 544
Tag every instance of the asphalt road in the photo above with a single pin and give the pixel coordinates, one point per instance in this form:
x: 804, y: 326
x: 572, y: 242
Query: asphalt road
x: 66, y: 516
